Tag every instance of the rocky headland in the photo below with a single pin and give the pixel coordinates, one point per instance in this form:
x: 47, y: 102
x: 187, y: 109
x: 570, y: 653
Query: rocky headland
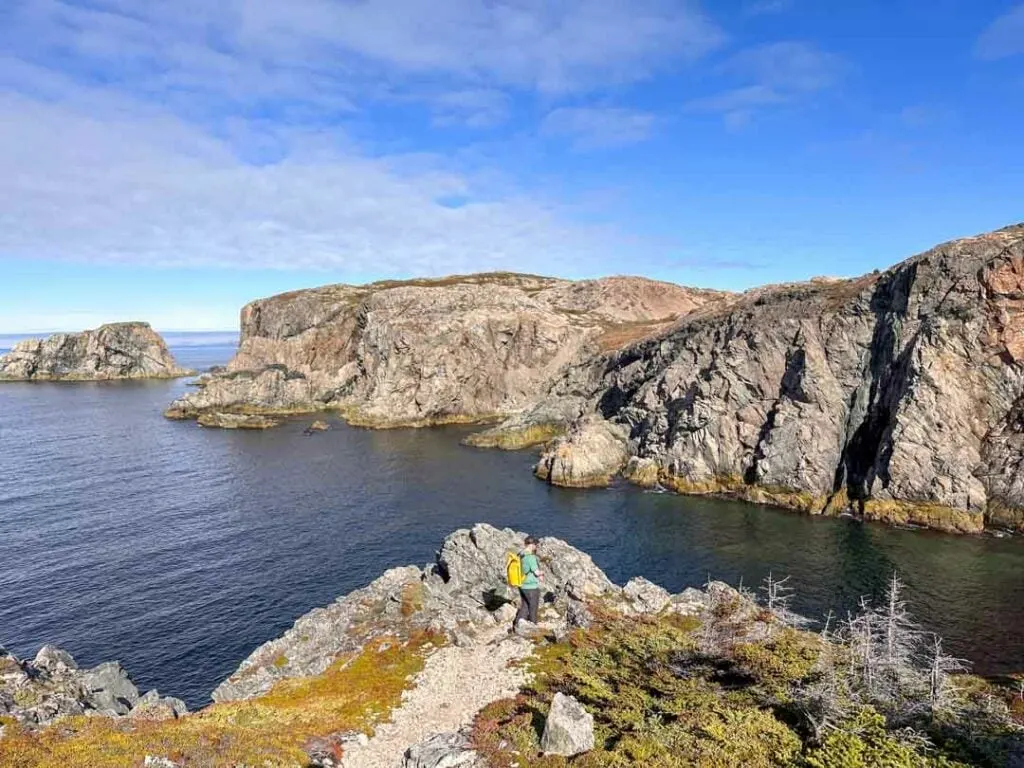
x: 897, y: 396
x: 419, y: 669
x: 113, y: 351
x: 424, y: 352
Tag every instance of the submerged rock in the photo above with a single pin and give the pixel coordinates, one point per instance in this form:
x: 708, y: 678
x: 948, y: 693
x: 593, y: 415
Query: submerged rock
x: 569, y: 728
x: 237, y: 421
x: 420, y: 352
x: 115, y: 351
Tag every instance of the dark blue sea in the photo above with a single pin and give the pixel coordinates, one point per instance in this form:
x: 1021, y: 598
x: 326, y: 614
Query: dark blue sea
x: 177, y: 550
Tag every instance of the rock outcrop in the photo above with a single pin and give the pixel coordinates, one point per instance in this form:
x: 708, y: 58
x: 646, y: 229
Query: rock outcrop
x: 461, y: 594
x: 115, y: 351
x: 36, y: 693
x: 898, y: 396
x: 421, y: 352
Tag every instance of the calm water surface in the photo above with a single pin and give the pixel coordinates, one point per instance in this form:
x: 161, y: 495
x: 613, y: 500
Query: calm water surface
x: 177, y: 550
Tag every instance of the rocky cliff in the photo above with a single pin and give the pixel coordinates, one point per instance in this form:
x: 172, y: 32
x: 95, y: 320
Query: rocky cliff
x: 115, y: 351
x: 898, y: 395
x: 460, y: 349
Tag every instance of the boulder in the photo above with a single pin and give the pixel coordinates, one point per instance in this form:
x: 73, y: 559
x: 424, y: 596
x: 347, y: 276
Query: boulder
x: 443, y: 750
x: 569, y: 728
x: 590, y: 455
x: 115, y: 351
x: 54, y: 660
x: 153, y: 706
x: 645, y: 597
x: 110, y: 689
x: 577, y: 615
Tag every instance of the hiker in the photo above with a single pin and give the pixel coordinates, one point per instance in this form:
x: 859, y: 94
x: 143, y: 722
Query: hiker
x: 529, y: 586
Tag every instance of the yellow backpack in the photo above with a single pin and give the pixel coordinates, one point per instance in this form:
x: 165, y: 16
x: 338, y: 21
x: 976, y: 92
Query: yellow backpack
x: 514, y: 569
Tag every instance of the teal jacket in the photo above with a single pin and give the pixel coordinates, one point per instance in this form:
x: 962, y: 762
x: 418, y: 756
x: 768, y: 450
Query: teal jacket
x: 530, y: 569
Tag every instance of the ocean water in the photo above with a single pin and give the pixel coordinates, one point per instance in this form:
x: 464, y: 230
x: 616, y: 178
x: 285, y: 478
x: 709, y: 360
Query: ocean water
x: 177, y: 550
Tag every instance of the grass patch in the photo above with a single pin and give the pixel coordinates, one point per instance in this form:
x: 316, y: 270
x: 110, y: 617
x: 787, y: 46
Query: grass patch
x: 352, y: 695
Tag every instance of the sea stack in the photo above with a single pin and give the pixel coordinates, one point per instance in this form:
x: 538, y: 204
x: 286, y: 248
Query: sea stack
x: 111, y: 352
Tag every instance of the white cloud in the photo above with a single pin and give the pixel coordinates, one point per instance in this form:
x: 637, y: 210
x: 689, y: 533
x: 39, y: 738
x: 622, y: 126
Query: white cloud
x: 598, y: 127
x: 1004, y: 37
x: 324, y: 50
x: 775, y: 74
x: 147, y: 189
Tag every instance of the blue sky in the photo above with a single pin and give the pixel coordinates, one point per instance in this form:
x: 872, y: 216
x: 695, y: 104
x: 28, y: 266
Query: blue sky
x: 169, y: 160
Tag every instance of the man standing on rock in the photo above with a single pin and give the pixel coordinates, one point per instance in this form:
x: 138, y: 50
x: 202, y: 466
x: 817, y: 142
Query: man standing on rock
x: 529, y: 590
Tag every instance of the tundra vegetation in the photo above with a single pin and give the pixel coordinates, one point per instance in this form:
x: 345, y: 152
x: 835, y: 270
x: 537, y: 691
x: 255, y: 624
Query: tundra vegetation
x: 753, y: 687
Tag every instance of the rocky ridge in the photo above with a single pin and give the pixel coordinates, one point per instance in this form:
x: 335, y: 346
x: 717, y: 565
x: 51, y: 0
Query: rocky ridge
x: 114, y: 351
x: 421, y: 352
x: 898, y: 396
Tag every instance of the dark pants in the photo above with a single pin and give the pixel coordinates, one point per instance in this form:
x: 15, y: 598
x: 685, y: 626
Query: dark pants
x: 529, y: 602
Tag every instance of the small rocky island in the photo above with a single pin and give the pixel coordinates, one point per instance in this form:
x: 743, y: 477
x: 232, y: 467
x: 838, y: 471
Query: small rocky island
x: 419, y: 670
x: 111, y: 352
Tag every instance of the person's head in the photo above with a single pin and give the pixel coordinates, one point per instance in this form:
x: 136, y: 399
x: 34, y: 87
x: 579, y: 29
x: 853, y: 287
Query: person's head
x: 531, y: 543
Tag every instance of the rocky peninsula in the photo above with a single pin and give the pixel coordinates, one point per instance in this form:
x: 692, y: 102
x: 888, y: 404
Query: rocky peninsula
x: 424, y: 352
x: 114, y: 351
x: 419, y: 669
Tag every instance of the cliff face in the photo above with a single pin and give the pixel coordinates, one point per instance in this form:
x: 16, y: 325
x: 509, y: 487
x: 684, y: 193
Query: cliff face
x: 115, y: 351
x: 898, y: 394
x: 429, y: 351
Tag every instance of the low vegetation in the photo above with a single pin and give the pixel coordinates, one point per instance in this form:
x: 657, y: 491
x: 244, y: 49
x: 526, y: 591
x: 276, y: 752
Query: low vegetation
x: 749, y: 687
x: 351, y: 696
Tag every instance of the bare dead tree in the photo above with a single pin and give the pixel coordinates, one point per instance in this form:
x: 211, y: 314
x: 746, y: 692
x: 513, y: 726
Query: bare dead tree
x: 943, y: 695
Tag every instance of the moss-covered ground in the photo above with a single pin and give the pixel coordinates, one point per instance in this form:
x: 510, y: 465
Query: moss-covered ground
x: 658, y: 700
x: 351, y: 696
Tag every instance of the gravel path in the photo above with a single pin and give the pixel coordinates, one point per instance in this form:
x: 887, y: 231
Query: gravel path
x: 454, y: 685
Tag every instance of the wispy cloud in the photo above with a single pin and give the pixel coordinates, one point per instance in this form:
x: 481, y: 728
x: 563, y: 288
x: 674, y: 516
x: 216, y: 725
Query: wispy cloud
x: 1004, y: 37
x: 222, y: 133
x: 590, y: 128
x: 324, y: 52
x: 153, y: 190
x: 772, y: 75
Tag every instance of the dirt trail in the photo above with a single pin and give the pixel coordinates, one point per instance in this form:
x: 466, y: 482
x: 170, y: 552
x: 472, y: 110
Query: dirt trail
x: 454, y: 685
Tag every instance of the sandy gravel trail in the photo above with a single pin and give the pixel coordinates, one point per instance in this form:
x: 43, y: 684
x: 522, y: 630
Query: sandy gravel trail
x: 453, y: 686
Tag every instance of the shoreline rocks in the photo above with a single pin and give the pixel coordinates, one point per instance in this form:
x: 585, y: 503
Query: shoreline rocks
x: 39, y: 692
x: 111, y: 352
